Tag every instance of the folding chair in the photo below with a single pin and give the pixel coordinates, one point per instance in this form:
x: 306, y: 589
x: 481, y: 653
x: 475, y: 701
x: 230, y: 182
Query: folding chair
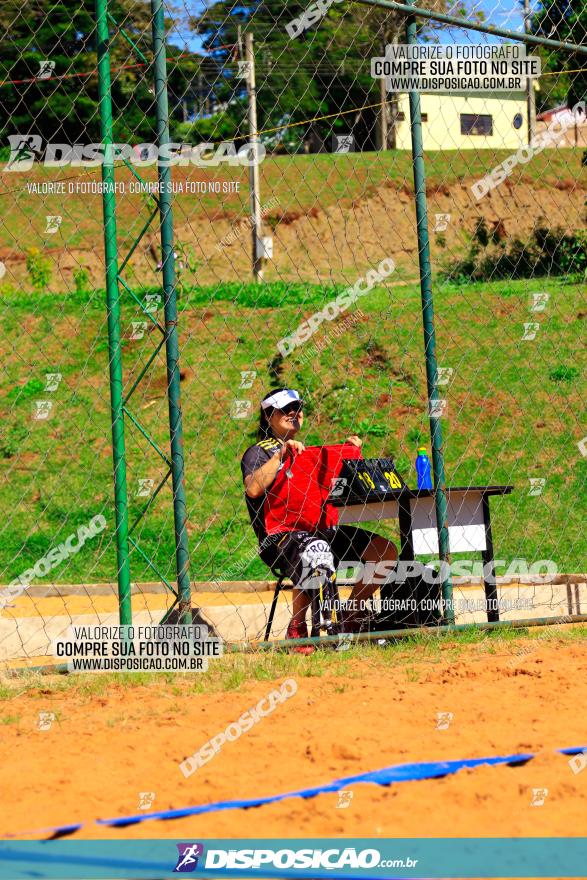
x: 327, y: 593
x: 278, y: 587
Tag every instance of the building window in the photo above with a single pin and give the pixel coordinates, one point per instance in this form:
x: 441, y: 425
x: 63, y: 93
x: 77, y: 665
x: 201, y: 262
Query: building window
x: 401, y: 117
x: 473, y: 124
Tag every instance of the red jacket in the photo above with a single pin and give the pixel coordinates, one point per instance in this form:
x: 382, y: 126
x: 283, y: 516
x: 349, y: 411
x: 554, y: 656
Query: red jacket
x: 299, y: 502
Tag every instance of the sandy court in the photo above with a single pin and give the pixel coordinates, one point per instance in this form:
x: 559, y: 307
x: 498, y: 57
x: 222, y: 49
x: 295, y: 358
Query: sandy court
x: 108, y: 744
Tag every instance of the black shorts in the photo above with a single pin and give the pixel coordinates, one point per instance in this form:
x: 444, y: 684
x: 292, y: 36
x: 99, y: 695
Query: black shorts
x: 283, y: 553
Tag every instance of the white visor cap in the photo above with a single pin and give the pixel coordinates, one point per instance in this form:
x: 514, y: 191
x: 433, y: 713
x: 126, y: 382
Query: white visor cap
x: 281, y: 399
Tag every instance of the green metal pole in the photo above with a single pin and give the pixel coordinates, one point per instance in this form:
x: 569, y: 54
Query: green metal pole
x: 113, y: 306
x: 429, y: 334
x: 171, y: 335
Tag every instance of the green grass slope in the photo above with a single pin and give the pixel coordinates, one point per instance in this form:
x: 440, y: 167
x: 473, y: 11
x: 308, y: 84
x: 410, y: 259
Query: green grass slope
x: 515, y: 412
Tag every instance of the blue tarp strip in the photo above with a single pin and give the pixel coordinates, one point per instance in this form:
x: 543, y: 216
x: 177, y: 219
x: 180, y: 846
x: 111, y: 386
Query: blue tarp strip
x: 398, y: 773
x: 385, y: 776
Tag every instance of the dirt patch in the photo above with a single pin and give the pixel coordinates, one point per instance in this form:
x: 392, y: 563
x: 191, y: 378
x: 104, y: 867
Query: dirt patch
x: 337, y: 243
x: 104, y: 749
x: 342, y: 241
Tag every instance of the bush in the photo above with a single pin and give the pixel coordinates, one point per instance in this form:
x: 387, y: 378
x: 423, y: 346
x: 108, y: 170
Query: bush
x: 416, y: 436
x: 12, y: 441
x: 39, y: 269
x: 563, y: 374
x: 548, y: 252
x: 371, y: 430
x: 220, y: 127
x: 81, y: 279
x: 24, y: 392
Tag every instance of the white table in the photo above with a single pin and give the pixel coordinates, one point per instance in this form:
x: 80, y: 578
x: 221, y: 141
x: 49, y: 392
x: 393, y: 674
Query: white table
x: 469, y: 525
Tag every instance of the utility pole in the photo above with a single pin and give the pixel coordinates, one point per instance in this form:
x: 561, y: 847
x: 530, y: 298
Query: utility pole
x: 254, y: 187
x: 382, y: 134
x: 200, y: 96
x: 388, y: 112
x: 393, y: 107
x: 530, y: 93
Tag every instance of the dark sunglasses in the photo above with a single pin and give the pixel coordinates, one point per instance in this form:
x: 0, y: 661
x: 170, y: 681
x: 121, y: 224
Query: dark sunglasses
x: 291, y: 408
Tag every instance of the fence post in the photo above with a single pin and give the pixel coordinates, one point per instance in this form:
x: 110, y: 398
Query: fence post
x: 171, y: 334
x: 255, y: 195
x: 530, y: 94
x: 429, y: 335
x: 113, y: 307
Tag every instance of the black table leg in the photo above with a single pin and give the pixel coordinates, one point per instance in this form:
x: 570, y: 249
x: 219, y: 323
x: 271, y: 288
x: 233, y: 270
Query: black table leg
x: 489, y: 567
x: 406, y: 550
x: 388, y: 619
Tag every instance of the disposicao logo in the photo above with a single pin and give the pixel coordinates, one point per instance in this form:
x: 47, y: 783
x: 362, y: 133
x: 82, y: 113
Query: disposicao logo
x: 187, y: 860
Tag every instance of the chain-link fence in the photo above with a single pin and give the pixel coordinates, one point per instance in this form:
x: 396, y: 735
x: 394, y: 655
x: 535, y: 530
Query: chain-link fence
x: 291, y: 180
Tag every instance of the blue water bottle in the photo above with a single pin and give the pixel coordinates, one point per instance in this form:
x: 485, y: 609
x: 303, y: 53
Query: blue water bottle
x: 423, y: 470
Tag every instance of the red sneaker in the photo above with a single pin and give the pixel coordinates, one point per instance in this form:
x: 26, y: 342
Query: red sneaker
x: 299, y: 631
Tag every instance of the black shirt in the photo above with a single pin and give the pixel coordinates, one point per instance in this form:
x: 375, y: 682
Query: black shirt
x: 254, y: 458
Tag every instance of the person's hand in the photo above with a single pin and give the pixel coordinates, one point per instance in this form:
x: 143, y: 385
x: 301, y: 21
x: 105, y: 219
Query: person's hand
x: 356, y: 441
x: 291, y: 447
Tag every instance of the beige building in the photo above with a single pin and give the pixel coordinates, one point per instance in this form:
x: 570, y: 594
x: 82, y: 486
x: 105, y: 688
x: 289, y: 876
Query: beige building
x: 461, y: 121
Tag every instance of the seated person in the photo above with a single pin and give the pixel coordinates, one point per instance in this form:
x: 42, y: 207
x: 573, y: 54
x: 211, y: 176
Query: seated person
x: 281, y: 419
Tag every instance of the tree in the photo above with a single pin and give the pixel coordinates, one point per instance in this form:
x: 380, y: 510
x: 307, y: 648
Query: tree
x: 63, y: 107
x: 563, y: 20
x: 321, y: 72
